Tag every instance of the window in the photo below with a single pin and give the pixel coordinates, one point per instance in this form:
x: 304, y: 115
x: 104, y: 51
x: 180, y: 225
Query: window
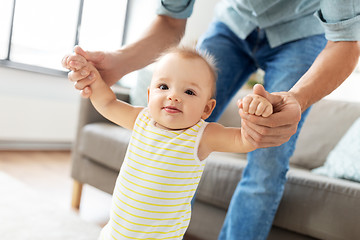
x: 5, y: 26
x: 36, y: 34
x: 102, y: 24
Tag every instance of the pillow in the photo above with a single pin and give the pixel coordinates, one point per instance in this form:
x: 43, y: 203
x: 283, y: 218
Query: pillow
x: 138, y: 94
x: 344, y: 160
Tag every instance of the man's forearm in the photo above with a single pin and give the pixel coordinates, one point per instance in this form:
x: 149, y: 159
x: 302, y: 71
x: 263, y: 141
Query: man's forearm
x: 333, y: 65
x: 163, y: 33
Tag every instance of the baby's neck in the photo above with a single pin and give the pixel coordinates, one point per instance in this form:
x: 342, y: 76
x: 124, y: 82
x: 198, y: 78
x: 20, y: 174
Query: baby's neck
x: 158, y: 125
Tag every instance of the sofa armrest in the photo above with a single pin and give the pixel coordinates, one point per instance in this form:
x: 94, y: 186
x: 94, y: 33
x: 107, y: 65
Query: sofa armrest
x: 88, y: 114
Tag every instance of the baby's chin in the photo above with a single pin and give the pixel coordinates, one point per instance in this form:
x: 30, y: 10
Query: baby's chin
x: 173, y: 127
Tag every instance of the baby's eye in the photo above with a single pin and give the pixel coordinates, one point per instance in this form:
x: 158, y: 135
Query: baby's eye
x: 190, y: 92
x: 163, y: 87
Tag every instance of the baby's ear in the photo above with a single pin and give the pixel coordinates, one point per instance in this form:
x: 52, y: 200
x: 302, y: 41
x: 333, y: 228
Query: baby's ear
x: 209, y: 107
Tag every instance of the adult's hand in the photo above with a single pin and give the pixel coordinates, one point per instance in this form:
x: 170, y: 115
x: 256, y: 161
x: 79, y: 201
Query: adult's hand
x: 278, y: 127
x: 163, y: 32
x: 105, y: 62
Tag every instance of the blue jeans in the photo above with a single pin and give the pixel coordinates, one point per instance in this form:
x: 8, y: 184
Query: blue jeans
x: 257, y: 196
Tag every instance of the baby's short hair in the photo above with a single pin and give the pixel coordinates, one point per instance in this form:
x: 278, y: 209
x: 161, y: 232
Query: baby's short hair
x: 191, y: 53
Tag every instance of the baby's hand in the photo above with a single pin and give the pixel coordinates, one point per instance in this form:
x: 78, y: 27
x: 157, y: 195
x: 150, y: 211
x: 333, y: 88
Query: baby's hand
x: 74, y: 62
x: 94, y: 74
x: 82, y: 72
x: 84, y: 67
x: 257, y: 105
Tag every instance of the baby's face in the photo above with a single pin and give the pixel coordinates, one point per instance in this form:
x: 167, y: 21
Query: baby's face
x: 180, y: 92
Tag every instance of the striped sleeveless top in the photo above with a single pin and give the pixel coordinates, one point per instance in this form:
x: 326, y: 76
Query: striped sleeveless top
x: 156, y: 183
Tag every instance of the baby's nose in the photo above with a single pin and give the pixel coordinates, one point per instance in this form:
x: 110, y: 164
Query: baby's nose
x: 174, y: 97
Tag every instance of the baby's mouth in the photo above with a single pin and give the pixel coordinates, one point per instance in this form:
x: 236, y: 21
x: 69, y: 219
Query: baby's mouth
x: 171, y: 109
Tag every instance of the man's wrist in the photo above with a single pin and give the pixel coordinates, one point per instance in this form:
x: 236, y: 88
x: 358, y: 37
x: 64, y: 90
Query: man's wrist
x: 303, y: 102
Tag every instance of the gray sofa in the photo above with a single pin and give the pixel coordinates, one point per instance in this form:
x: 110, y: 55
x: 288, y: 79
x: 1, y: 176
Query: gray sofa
x: 313, y: 206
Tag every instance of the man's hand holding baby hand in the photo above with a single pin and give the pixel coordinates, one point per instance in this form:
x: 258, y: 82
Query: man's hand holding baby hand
x: 79, y: 73
x: 106, y: 63
x: 256, y: 105
x: 278, y: 127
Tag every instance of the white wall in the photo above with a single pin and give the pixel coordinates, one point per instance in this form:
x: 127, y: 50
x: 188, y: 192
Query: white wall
x: 199, y: 21
x: 196, y: 25
x: 37, y: 110
x: 41, y: 111
x: 349, y: 90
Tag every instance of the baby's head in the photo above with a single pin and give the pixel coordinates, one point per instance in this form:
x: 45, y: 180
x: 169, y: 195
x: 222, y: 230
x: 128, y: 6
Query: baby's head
x: 182, y: 89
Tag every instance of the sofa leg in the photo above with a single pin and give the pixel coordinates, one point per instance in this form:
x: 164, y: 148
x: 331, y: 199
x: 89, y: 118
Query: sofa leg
x: 76, y: 195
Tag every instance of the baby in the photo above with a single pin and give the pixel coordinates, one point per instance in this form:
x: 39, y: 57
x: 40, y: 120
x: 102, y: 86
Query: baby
x: 169, y: 144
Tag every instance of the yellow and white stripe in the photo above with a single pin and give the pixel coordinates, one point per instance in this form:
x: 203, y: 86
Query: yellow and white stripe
x: 157, y: 181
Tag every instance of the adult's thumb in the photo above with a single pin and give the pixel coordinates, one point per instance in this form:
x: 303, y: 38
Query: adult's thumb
x: 80, y: 51
x: 273, y: 98
x: 94, y: 57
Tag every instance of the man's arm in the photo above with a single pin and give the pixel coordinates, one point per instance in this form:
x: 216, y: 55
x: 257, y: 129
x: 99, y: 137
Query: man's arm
x: 341, y: 22
x: 164, y: 32
x: 330, y: 69
x: 333, y: 65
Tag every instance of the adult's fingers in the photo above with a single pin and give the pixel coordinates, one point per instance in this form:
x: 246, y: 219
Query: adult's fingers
x: 73, y: 62
x: 85, y: 82
x: 274, y: 99
x: 276, y: 119
x: 94, y: 57
x: 249, y: 135
x: 86, y: 92
x: 285, y: 131
x: 78, y: 50
x: 78, y: 75
x: 262, y: 136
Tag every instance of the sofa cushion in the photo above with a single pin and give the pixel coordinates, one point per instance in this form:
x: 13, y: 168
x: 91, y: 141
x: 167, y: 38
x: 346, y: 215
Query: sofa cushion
x: 311, y: 205
x: 208, y: 227
x: 328, y: 119
x: 220, y: 177
x: 104, y: 143
x: 344, y: 160
x: 319, y: 206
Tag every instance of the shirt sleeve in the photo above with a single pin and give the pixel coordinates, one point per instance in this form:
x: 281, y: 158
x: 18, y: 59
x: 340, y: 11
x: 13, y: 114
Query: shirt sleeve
x: 175, y: 8
x: 340, y: 19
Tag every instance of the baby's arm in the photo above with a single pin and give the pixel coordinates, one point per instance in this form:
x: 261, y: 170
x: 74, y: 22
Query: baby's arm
x: 106, y: 103
x: 218, y: 138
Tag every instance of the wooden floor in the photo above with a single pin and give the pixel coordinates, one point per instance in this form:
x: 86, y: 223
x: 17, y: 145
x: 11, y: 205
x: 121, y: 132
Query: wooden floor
x: 48, y: 172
